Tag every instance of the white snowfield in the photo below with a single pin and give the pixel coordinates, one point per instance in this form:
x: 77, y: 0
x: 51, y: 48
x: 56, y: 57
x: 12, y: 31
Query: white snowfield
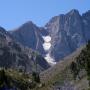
x: 50, y: 60
x: 47, y: 46
x: 47, y: 43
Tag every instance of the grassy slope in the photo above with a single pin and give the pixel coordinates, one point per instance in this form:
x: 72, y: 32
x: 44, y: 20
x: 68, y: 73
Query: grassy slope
x: 61, y: 72
x: 20, y: 80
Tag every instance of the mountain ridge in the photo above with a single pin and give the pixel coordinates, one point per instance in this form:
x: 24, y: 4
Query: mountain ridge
x: 67, y: 31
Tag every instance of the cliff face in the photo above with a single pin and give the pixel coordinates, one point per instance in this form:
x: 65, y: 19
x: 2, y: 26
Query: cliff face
x: 67, y: 32
x: 14, y: 55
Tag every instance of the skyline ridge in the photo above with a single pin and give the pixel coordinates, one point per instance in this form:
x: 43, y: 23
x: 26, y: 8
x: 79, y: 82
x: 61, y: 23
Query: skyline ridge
x: 34, y: 23
x: 15, y: 13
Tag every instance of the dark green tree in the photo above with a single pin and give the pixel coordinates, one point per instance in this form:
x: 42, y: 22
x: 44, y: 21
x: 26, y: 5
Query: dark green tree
x: 36, y: 77
x: 82, y: 62
x: 74, y: 69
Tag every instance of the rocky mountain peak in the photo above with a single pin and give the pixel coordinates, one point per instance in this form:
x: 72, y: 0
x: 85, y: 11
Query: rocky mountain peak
x: 27, y: 26
x: 29, y: 23
x: 29, y: 35
x: 2, y: 30
x: 86, y: 16
x: 73, y: 12
x: 87, y: 13
x: 66, y: 32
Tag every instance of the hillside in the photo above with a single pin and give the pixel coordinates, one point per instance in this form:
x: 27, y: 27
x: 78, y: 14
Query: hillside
x: 11, y: 79
x: 14, y: 55
x: 60, y: 76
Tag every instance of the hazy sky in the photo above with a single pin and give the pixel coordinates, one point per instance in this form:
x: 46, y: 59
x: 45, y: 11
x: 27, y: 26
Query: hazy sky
x: 13, y: 13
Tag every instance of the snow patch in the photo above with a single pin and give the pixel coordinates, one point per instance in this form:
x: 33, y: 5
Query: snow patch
x: 50, y: 60
x: 47, y: 42
x: 47, y: 46
x: 45, y: 27
x: 75, y: 35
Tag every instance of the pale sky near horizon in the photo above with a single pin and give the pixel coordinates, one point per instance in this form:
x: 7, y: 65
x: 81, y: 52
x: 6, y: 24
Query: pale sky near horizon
x: 14, y: 13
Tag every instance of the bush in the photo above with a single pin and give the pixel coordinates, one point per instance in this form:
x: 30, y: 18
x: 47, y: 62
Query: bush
x: 36, y: 77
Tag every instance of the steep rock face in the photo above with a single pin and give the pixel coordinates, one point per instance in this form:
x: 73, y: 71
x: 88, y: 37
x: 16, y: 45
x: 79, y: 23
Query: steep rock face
x: 29, y: 35
x: 67, y: 34
x: 14, y: 55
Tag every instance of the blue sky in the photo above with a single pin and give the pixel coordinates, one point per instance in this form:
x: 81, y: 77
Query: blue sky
x: 13, y: 13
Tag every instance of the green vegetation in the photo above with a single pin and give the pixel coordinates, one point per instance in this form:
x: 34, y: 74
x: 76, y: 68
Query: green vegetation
x: 36, y: 77
x: 67, y: 70
x: 4, y: 80
x: 82, y: 62
x: 22, y: 81
x: 74, y: 69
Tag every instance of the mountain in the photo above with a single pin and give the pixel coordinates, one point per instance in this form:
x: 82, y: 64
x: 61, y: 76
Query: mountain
x: 67, y: 34
x: 14, y: 55
x: 29, y: 35
x: 61, y: 36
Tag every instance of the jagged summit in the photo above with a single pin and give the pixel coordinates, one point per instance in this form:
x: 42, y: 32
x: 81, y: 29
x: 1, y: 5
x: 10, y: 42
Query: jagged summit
x: 29, y: 23
x: 2, y: 29
x: 87, y: 14
x: 29, y: 35
x: 74, y: 11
